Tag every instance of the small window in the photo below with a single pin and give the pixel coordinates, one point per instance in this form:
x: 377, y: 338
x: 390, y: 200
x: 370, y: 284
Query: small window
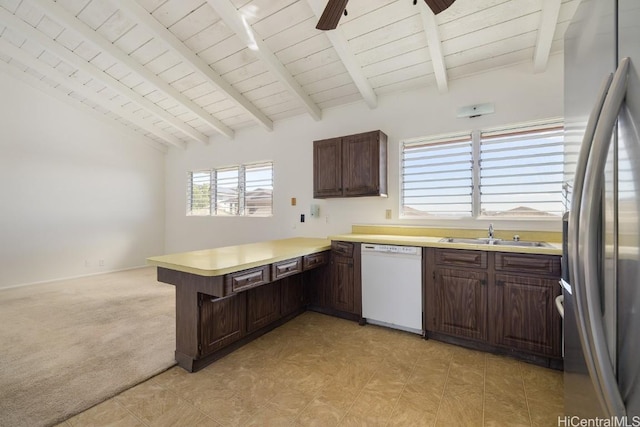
x: 437, y: 177
x: 258, y: 194
x: 227, y: 191
x: 521, y: 172
x: 245, y: 190
x: 199, y: 193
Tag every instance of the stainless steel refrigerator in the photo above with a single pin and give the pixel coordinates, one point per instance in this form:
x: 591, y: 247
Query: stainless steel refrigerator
x: 602, y: 178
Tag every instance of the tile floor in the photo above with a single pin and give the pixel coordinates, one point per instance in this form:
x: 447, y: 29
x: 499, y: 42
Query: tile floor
x: 317, y: 370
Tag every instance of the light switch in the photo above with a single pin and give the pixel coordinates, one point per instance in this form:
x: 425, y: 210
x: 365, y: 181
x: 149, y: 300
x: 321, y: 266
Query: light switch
x: 293, y: 201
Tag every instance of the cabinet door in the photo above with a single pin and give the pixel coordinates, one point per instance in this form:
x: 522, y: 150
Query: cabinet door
x: 263, y: 305
x: 327, y: 168
x: 361, y: 162
x: 525, y: 314
x: 342, y: 290
x: 460, y: 302
x: 292, y: 294
x: 221, y: 321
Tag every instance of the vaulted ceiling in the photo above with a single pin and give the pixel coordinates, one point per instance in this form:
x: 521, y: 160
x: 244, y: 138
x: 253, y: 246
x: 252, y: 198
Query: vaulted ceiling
x: 181, y: 71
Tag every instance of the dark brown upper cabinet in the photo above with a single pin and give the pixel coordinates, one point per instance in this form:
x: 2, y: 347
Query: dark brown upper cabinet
x: 350, y: 166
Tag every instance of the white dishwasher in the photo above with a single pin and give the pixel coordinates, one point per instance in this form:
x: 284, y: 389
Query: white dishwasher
x: 392, y: 286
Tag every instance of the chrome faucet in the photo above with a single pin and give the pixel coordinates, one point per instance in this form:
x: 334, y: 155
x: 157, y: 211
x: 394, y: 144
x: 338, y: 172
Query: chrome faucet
x: 490, y: 233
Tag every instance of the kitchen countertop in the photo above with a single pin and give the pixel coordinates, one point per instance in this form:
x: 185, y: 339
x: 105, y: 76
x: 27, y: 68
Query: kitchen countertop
x: 229, y: 259
x: 434, y: 242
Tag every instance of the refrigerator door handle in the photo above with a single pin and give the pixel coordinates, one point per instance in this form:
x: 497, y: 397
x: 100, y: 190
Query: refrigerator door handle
x: 576, y: 272
x: 603, y: 376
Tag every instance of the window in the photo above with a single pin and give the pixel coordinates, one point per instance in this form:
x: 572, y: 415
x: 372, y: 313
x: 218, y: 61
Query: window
x: 508, y: 172
x: 437, y: 177
x: 245, y: 190
x: 521, y: 172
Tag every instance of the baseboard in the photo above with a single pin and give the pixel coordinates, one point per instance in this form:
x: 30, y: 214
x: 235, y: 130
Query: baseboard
x: 20, y: 285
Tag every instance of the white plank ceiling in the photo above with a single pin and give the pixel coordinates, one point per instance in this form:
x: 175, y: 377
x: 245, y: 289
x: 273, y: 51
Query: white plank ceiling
x: 181, y: 71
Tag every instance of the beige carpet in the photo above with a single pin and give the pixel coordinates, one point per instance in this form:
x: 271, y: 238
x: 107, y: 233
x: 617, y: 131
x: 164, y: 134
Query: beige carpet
x: 67, y: 345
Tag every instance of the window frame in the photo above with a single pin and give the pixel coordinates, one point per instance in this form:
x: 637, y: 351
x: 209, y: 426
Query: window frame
x: 240, y: 209
x: 476, y: 136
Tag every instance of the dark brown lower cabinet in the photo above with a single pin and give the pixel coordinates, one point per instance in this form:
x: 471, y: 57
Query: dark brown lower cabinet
x: 292, y: 295
x: 342, y: 291
x: 461, y: 302
x: 263, y: 305
x: 503, y: 302
x: 222, y: 321
x: 525, y: 314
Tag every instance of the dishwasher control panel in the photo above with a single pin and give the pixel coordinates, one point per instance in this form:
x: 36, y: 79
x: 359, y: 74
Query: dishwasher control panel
x: 392, y: 249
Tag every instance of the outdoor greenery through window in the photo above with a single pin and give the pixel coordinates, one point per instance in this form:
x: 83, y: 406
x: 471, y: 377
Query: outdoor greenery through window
x: 514, y: 171
x: 245, y: 190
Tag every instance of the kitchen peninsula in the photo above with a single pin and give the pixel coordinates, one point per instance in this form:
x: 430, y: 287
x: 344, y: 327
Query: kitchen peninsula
x: 498, y: 298
x: 226, y: 297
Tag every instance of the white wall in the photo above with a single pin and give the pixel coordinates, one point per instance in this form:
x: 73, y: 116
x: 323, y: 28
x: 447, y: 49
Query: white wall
x: 518, y: 94
x: 73, y: 191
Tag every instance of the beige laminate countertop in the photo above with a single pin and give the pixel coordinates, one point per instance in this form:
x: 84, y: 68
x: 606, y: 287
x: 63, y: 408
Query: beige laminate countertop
x: 427, y: 241
x: 229, y: 259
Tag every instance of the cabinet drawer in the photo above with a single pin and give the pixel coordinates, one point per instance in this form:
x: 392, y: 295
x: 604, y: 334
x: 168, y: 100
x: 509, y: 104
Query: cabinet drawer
x: 247, y: 279
x: 342, y: 248
x: 286, y: 268
x: 461, y: 258
x: 315, y: 260
x: 528, y: 263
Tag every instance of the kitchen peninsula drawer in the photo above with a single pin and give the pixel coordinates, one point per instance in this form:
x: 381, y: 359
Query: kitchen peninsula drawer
x: 525, y: 263
x: 342, y: 248
x: 247, y: 279
x: 286, y: 268
x: 315, y: 260
x: 461, y: 258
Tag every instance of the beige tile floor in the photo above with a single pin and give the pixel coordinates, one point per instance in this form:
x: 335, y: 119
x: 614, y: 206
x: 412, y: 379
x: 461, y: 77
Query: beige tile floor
x: 317, y: 370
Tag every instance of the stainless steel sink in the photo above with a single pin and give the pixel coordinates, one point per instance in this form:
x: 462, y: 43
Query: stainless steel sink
x: 498, y: 242
x: 478, y: 241
x: 524, y: 244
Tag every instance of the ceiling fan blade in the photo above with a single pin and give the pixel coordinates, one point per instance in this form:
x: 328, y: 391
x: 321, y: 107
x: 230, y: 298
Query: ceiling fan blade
x: 438, y: 6
x: 331, y: 15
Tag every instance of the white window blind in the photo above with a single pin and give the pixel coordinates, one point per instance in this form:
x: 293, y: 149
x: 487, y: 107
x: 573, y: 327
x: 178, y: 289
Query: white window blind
x: 199, y: 193
x: 437, y: 177
x: 245, y: 190
x: 521, y: 171
x: 227, y: 191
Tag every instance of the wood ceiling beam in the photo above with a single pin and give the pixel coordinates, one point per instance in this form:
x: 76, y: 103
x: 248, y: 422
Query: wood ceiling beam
x: 435, y: 46
x: 232, y: 18
x: 60, y: 78
x: 546, y: 30
x: 140, y: 15
x: 34, y: 35
x: 33, y: 81
x: 71, y: 23
x: 348, y: 58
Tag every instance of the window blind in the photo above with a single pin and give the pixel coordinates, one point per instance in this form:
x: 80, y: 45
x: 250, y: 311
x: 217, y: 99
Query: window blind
x: 227, y: 191
x: 521, y: 171
x: 437, y: 177
x: 199, y: 193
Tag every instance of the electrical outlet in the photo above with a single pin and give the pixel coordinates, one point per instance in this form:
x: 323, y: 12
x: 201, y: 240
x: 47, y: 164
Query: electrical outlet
x: 387, y: 214
x: 87, y: 263
x: 101, y: 263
